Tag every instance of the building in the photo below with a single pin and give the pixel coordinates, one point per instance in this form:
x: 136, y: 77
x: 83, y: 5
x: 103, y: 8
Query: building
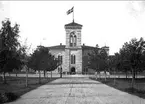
x: 73, y: 55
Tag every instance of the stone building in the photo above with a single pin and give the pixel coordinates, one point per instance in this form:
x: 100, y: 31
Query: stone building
x: 73, y: 55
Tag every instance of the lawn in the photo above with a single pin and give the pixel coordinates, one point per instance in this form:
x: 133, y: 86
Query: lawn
x: 124, y: 84
x: 16, y: 85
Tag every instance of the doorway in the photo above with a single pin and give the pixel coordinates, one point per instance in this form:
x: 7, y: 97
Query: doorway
x: 73, y: 70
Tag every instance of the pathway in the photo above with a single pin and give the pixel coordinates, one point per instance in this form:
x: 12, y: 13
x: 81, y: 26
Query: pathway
x: 77, y: 90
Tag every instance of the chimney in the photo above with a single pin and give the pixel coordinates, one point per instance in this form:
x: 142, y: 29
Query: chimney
x: 60, y: 44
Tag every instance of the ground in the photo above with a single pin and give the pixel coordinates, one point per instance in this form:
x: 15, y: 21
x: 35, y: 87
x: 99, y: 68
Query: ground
x: 77, y: 89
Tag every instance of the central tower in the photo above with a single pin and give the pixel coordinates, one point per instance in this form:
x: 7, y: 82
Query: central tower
x: 73, y: 49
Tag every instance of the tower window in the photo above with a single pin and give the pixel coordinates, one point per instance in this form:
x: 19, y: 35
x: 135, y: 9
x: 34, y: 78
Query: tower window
x: 73, y: 39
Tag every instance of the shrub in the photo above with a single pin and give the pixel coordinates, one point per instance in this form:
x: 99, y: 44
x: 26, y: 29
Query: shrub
x: 7, y: 97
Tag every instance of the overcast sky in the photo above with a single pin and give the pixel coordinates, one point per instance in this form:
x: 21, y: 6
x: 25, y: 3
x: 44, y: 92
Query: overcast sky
x: 104, y: 22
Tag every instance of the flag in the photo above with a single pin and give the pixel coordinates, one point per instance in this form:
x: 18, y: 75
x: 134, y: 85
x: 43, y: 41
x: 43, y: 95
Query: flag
x: 70, y: 11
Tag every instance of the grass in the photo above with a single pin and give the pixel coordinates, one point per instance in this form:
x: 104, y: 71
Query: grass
x: 16, y: 85
x: 124, y: 84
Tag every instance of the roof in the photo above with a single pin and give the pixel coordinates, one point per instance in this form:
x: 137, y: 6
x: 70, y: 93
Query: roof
x: 105, y: 47
x: 63, y: 47
x: 57, y: 47
x: 87, y: 47
x: 73, y: 24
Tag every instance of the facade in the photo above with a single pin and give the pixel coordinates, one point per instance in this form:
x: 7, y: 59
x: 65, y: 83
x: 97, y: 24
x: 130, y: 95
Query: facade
x: 73, y: 56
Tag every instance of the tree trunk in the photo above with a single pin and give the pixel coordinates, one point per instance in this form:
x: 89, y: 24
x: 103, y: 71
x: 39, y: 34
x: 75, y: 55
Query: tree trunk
x: 134, y: 74
x: 96, y: 74
x: 51, y: 74
x: 105, y: 75
x: 99, y: 76
x: 26, y: 77
x: 118, y: 74
x: 114, y: 78
x: 39, y: 77
x: 16, y: 73
x: 44, y: 73
x: 60, y: 73
x: 109, y: 74
x: 133, y: 77
x: 4, y: 78
x: 47, y: 74
x: 126, y: 75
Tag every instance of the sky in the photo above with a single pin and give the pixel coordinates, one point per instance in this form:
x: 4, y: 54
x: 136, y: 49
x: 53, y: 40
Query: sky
x: 110, y: 23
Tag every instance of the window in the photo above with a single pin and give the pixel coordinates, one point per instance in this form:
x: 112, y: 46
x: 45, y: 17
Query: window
x: 60, y: 59
x: 73, y: 39
x: 73, y: 58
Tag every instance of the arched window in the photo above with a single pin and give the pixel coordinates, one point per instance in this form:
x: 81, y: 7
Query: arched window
x: 75, y: 40
x: 71, y: 40
x: 73, y: 58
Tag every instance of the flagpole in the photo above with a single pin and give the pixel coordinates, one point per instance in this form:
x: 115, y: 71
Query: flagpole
x: 73, y: 14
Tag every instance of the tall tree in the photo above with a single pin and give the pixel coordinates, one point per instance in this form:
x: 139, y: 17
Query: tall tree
x: 9, y: 44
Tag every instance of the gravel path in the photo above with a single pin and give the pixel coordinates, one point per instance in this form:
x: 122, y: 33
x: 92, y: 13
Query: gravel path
x: 77, y: 90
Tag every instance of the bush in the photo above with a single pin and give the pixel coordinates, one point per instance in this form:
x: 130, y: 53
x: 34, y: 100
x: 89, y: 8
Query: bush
x: 7, y: 97
x: 134, y: 90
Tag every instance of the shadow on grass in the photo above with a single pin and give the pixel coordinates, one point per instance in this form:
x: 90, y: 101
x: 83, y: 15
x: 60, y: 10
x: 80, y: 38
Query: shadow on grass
x: 17, y: 86
x: 124, y: 85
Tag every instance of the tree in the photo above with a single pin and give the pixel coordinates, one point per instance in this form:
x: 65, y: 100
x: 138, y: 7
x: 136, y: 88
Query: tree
x: 104, y: 61
x: 53, y: 64
x: 41, y: 59
x: 114, y: 64
x: 131, y: 56
x: 23, y: 49
x: 9, y: 44
x: 36, y: 59
x: 94, y: 60
x: 98, y: 60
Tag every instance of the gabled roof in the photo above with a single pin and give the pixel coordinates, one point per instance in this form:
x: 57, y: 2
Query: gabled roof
x: 57, y: 47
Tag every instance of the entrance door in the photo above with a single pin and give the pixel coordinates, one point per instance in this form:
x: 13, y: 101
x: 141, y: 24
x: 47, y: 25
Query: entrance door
x: 73, y: 70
